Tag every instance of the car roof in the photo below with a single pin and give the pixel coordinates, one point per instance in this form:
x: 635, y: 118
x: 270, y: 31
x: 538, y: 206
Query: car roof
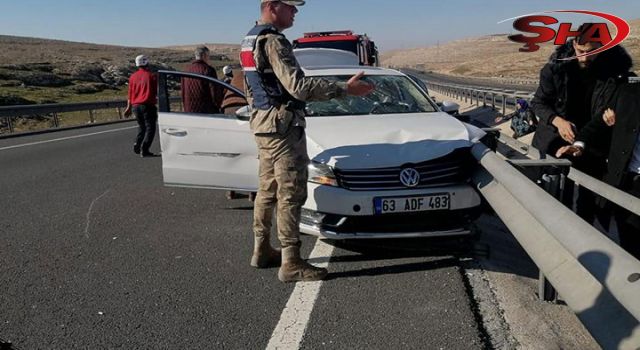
x: 349, y: 70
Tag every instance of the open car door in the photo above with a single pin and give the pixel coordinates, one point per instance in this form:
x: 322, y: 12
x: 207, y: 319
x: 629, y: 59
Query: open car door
x: 203, y: 150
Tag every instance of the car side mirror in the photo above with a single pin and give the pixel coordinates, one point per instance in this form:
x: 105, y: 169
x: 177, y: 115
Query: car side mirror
x: 244, y: 113
x: 450, y: 107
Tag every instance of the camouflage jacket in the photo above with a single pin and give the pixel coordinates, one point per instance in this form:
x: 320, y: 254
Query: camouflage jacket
x: 275, y: 52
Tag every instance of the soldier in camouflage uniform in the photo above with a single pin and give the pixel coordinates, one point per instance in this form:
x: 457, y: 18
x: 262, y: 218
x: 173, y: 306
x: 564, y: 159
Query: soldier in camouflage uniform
x: 276, y: 89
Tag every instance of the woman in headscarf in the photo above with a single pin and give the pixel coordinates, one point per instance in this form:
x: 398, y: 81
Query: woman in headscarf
x: 523, y: 120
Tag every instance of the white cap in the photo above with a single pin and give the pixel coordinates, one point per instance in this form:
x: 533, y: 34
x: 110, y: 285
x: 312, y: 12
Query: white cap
x: 226, y: 70
x: 142, y: 61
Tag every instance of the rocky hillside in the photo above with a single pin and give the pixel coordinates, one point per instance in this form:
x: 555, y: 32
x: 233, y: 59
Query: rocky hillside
x: 488, y: 56
x: 46, y: 71
x: 229, y: 50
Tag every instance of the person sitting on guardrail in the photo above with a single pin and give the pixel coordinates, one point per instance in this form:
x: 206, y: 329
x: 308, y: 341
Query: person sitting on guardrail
x: 621, y: 120
x: 143, y: 90
x: 563, y: 103
x: 523, y: 121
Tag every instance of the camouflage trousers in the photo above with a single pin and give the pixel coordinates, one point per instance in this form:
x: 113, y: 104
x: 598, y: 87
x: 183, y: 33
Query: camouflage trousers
x: 283, y: 185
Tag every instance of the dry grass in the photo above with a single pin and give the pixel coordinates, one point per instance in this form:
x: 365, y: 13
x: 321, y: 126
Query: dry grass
x: 230, y: 50
x: 81, y: 64
x: 487, y: 56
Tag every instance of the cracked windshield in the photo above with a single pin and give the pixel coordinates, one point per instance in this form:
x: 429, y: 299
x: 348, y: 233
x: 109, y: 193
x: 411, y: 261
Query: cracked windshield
x: 392, y: 95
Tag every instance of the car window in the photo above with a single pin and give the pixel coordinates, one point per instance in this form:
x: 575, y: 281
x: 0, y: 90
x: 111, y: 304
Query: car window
x: 348, y: 45
x: 196, y: 94
x: 392, y: 95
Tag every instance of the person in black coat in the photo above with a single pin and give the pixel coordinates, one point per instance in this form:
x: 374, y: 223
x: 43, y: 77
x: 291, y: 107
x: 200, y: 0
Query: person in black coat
x: 565, y: 102
x: 621, y: 120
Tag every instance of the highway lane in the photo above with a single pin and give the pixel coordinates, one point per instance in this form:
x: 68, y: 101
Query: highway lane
x: 469, y: 81
x: 96, y: 253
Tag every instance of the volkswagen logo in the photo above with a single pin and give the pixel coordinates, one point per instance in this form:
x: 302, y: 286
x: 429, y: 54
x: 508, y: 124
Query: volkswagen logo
x: 410, y: 177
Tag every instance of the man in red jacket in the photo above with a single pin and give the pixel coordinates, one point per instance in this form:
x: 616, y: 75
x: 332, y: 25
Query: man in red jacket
x: 199, y: 95
x: 143, y: 92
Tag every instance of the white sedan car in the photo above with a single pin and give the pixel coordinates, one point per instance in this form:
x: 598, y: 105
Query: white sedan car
x: 387, y: 165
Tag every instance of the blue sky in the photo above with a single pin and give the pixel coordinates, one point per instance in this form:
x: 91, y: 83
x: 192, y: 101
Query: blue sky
x: 391, y: 23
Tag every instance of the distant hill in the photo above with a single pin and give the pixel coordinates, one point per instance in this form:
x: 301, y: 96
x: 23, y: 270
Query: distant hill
x: 488, y: 56
x: 34, y: 70
x: 230, y: 50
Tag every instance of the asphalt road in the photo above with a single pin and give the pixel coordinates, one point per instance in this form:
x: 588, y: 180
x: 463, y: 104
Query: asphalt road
x: 97, y: 254
x: 469, y: 81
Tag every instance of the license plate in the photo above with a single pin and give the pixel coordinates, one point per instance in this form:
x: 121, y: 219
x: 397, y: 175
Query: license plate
x: 392, y: 205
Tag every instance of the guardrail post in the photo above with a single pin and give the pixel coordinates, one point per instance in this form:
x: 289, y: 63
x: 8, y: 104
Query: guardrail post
x: 91, y: 118
x: 546, y: 292
x: 56, y: 120
x: 10, y: 124
x: 493, y: 100
x: 552, y: 182
x: 120, y: 116
x: 504, y: 104
x: 484, y: 99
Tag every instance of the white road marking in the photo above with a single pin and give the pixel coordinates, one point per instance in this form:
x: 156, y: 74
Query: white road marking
x: 296, y: 314
x: 65, y: 138
x: 86, y: 228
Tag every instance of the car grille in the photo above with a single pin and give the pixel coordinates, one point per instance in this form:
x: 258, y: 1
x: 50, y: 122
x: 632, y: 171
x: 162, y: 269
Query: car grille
x: 453, y: 168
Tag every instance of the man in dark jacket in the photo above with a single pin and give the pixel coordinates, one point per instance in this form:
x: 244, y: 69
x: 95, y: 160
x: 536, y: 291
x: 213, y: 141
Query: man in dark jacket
x: 564, y: 102
x: 199, y: 95
x: 621, y: 119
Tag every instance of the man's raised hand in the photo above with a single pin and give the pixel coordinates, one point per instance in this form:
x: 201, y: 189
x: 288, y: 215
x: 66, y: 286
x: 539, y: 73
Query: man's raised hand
x: 357, y: 87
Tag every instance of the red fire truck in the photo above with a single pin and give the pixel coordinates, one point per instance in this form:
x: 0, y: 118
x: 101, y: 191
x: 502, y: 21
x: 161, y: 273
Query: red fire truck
x: 359, y: 44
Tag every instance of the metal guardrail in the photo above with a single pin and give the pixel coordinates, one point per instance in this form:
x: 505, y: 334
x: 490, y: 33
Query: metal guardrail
x: 596, y: 186
x: 479, y: 80
x: 598, y: 280
x: 611, y: 193
x: 53, y: 110
x: 477, y: 95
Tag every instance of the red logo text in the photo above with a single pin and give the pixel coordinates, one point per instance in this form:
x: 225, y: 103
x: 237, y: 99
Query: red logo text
x: 597, y: 32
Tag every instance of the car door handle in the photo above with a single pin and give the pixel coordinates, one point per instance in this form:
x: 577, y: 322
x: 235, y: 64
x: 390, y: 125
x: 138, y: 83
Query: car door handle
x: 175, y: 132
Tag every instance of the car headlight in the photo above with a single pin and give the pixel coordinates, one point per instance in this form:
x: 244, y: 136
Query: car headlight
x: 322, y: 174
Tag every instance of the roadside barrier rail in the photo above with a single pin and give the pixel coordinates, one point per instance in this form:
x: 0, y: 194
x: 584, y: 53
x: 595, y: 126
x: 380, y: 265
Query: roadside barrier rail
x: 598, y: 280
x: 476, y: 80
x: 52, y: 111
x: 484, y: 96
x: 594, y: 185
x: 611, y: 193
x: 8, y: 114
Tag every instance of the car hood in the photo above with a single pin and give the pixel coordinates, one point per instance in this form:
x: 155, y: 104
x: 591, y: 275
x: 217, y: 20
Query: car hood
x: 378, y: 141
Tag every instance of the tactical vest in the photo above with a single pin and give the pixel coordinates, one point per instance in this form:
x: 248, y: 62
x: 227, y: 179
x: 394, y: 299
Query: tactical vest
x: 264, y: 84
